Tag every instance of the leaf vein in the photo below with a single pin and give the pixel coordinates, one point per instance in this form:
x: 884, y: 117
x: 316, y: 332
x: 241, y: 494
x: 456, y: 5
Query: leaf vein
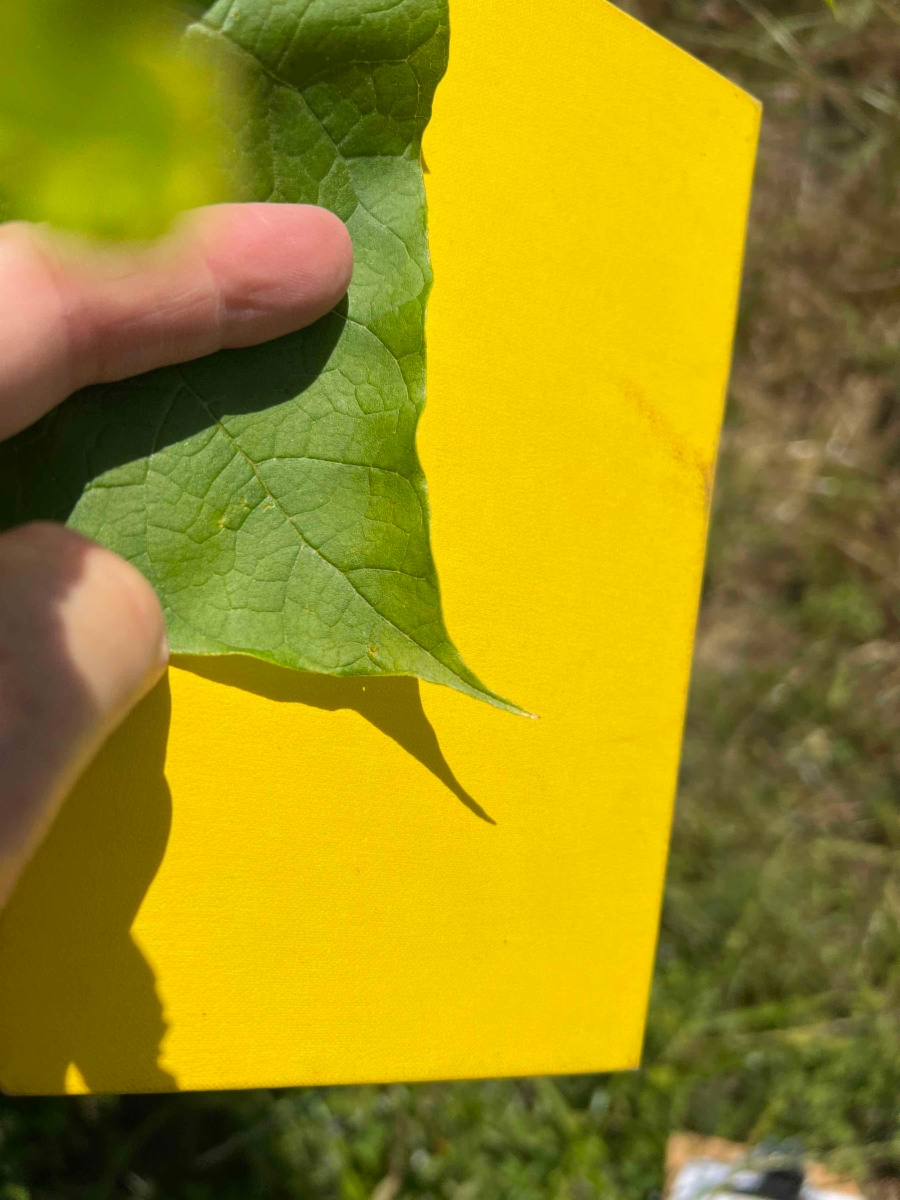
x: 287, y: 516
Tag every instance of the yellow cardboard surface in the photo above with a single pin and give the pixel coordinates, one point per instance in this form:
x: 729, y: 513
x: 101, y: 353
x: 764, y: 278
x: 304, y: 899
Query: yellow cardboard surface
x: 270, y: 878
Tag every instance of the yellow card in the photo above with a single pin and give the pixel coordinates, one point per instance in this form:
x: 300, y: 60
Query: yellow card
x: 270, y: 878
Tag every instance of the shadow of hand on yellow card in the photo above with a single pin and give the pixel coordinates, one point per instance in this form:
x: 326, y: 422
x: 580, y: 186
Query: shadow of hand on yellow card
x: 88, y: 1000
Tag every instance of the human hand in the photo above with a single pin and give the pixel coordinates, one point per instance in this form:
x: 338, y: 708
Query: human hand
x: 82, y: 636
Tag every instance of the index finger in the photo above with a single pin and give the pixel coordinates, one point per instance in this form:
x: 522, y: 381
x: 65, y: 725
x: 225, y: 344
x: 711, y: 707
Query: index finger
x: 229, y: 275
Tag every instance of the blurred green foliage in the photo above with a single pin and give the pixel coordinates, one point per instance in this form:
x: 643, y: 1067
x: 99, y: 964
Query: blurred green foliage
x: 776, y: 1005
x: 107, y: 125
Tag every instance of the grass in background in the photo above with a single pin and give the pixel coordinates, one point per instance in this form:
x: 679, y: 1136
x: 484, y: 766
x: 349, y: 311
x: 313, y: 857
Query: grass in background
x: 775, y: 1009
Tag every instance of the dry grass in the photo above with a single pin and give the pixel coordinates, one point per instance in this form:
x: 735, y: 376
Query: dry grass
x: 779, y: 977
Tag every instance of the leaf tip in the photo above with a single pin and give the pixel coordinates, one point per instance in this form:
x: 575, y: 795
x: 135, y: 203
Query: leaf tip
x: 508, y: 706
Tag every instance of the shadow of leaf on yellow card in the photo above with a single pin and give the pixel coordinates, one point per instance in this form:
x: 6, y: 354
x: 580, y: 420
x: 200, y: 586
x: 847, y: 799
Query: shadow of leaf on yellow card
x: 392, y: 703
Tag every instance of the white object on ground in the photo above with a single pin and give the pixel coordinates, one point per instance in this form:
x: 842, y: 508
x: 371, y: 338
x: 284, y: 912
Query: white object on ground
x: 706, y: 1179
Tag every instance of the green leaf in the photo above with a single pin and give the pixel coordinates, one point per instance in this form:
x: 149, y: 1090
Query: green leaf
x: 273, y: 496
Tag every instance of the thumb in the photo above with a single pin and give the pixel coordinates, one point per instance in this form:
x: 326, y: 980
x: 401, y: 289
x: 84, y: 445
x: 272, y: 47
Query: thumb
x: 82, y: 638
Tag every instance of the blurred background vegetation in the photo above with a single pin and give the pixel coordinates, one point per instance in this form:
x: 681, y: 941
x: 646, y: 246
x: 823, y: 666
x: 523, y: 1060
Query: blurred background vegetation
x: 106, y: 124
x: 775, y: 1009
